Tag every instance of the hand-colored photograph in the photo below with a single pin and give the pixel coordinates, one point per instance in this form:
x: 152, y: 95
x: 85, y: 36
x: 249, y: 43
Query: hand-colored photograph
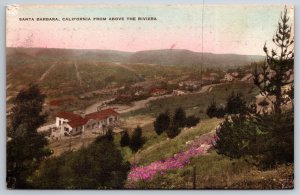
x: 183, y: 96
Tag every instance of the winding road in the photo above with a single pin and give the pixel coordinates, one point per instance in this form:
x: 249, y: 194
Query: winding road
x: 136, y: 105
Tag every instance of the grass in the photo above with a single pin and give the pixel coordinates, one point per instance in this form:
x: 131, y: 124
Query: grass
x: 214, y: 171
x: 96, y: 75
x: 160, y: 147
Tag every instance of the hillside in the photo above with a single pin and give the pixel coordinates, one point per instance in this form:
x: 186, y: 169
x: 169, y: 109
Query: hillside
x: 176, y: 57
x: 190, y: 58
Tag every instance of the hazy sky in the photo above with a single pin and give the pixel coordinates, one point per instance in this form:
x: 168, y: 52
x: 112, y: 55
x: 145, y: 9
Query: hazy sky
x: 237, y: 29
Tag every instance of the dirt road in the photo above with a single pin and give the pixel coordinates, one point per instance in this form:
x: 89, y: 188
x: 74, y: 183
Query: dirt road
x: 136, y: 105
x: 47, y: 72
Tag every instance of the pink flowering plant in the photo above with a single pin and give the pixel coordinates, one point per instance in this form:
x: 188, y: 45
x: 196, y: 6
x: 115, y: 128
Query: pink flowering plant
x: 177, y: 161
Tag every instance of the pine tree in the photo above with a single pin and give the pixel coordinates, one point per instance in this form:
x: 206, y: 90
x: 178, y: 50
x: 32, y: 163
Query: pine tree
x: 137, y: 141
x: 125, y: 139
x: 109, y: 134
x: 27, y: 147
x: 179, y: 118
x: 192, y: 121
x: 212, y: 109
x: 277, y: 70
x: 236, y: 104
x: 173, y: 131
x: 162, y: 123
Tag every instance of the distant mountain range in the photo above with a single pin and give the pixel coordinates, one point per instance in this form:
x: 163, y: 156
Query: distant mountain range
x: 176, y: 57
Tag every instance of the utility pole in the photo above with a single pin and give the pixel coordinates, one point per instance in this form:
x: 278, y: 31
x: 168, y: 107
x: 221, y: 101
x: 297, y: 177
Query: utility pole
x: 194, y: 177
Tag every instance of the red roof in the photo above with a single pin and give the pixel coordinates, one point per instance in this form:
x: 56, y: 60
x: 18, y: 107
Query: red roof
x: 157, y: 90
x: 103, y: 114
x: 77, y: 122
x: 68, y: 115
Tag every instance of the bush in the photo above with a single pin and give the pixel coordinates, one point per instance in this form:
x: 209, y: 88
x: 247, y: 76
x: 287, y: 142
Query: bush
x: 236, y: 104
x: 137, y: 141
x: 125, y: 139
x: 220, y: 113
x: 162, y: 123
x: 179, y: 118
x: 234, y: 136
x: 192, y: 121
x: 212, y: 109
x: 268, y: 138
x: 276, y: 144
x: 98, y: 166
x: 173, y: 131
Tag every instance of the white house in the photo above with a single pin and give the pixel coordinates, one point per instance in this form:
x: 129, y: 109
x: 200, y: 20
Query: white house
x: 73, y: 124
x: 228, y: 77
x: 178, y: 92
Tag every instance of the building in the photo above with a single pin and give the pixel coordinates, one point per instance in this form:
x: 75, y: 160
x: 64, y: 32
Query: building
x: 178, y: 92
x: 228, y: 77
x: 158, y: 92
x: 73, y: 124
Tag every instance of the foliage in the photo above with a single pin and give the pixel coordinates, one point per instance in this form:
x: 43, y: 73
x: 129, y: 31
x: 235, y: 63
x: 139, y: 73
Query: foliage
x: 137, y: 141
x: 109, y: 134
x: 177, y: 161
x: 215, y: 111
x: 98, y: 166
x: 236, y: 104
x: 162, y: 123
x: 234, y: 136
x: 173, y: 131
x: 277, y: 70
x: 275, y: 145
x: 179, y: 118
x: 27, y: 148
x: 212, y: 109
x: 125, y: 139
x: 192, y: 121
x: 266, y: 138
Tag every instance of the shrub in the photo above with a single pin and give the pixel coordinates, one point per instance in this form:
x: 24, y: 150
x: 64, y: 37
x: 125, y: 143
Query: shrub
x: 162, y: 123
x: 268, y: 138
x: 192, y: 121
x: 212, y: 109
x: 137, y: 141
x: 98, y: 166
x: 173, y: 131
x: 236, y: 104
x: 125, y: 139
x: 179, y: 118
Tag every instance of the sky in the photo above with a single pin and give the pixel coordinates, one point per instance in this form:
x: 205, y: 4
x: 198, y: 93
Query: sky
x: 239, y: 29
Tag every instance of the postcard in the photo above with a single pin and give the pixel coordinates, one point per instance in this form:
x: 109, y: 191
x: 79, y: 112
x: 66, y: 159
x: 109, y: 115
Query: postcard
x: 183, y: 96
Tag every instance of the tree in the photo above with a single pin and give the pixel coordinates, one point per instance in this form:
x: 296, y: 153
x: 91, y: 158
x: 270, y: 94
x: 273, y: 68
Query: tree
x: 98, y: 166
x: 267, y: 138
x: 162, y: 123
x: 179, y: 118
x: 125, y: 139
x: 212, y: 109
x: 173, y: 131
x: 192, y: 121
x: 137, y: 141
x: 221, y: 111
x: 236, y: 104
x: 277, y: 70
x: 215, y: 111
x: 234, y: 135
x: 109, y: 134
x: 27, y: 147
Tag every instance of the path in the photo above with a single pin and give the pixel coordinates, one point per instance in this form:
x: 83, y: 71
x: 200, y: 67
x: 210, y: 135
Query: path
x: 47, y: 72
x: 77, y: 73
x: 136, y: 105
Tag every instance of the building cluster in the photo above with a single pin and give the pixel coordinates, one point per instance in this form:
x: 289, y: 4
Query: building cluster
x: 71, y: 124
